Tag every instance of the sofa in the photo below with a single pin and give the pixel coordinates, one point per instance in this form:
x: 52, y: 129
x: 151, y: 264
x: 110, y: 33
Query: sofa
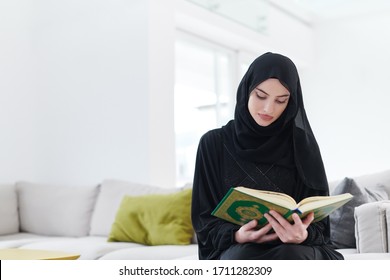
x: 82, y: 219
x: 361, y: 228
x: 78, y: 220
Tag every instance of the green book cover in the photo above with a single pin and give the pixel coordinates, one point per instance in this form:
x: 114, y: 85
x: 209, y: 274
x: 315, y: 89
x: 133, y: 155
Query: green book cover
x: 242, y: 205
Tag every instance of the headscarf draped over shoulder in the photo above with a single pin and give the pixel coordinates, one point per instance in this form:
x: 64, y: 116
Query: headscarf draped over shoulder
x: 288, y: 140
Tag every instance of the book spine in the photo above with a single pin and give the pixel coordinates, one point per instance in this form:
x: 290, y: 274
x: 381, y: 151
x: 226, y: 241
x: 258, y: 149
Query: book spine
x: 222, y: 201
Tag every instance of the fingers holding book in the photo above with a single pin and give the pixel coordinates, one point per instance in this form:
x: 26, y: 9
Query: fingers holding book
x: 277, y: 228
x: 251, y: 233
x: 287, y: 232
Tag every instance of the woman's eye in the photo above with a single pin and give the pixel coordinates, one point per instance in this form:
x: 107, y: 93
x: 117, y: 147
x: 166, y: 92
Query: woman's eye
x: 261, y: 97
x: 281, y: 101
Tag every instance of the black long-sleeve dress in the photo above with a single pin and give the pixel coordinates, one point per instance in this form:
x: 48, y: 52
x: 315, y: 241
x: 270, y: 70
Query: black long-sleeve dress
x: 218, y: 169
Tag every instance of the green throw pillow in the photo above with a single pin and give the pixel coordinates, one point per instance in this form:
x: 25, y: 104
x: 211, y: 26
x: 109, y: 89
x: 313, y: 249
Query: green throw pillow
x: 154, y: 219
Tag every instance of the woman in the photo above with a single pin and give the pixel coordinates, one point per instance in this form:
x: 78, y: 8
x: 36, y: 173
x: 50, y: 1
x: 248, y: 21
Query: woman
x: 269, y: 145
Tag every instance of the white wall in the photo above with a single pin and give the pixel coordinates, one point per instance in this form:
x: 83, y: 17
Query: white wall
x: 86, y: 90
x: 86, y: 87
x: 80, y: 94
x: 348, y: 95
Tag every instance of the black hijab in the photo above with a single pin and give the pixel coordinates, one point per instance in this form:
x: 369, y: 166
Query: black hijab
x: 288, y: 140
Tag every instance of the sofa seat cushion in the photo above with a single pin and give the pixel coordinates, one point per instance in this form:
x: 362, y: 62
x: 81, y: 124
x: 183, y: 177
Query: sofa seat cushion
x: 56, y: 210
x: 368, y: 256
x: 353, y: 254
x: 161, y: 252
x: 19, y: 239
x: 9, y: 217
x: 109, y: 200
x: 89, y: 248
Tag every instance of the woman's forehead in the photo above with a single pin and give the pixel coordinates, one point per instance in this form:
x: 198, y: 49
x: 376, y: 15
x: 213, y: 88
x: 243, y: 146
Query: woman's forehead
x: 273, y: 87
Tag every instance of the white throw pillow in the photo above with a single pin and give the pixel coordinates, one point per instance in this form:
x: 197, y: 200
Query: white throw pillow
x: 9, y: 219
x: 371, y: 227
x: 56, y: 210
x: 110, y: 197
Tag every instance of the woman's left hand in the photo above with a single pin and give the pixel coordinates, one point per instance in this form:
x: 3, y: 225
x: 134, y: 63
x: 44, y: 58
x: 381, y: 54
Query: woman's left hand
x: 287, y: 232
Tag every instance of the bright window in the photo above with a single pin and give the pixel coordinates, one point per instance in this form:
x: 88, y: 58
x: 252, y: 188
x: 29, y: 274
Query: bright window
x: 206, y: 79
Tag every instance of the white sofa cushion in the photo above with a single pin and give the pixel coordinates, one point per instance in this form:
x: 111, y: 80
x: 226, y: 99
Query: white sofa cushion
x: 367, y: 256
x: 56, y: 210
x: 19, y: 239
x: 110, y: 197
x: 88, y: 247
x: 9, y: 219
x: 371, y: 228
x: 160, y: 252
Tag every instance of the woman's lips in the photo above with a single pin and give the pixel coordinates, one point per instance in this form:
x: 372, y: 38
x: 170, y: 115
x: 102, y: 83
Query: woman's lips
x: 265, y: 117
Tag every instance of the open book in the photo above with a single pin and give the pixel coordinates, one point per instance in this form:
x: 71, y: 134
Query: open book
x: 242, y: 205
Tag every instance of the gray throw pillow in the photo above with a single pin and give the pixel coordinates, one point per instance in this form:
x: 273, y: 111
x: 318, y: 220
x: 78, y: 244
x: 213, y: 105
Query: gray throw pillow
x: 342, y: 222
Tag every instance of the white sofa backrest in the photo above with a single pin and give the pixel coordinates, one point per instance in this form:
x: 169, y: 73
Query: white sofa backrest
x: 374, y: 179
x: 9, y: 218
x: 369, y: 181
x: 56, y: 210
x: 109, y: 199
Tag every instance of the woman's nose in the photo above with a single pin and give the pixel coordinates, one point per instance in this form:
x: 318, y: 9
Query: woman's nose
x: 268, y: 107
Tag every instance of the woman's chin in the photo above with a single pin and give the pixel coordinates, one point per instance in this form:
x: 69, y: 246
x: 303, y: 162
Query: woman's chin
x: 264, y: 123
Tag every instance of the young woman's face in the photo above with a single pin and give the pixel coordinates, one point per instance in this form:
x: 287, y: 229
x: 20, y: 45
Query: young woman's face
x: 268, y: 101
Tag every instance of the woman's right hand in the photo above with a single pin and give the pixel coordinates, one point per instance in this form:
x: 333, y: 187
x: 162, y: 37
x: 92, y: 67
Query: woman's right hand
x: 249, y: 233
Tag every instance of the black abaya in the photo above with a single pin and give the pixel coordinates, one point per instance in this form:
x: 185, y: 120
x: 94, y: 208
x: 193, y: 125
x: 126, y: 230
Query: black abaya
x: 217, y: 167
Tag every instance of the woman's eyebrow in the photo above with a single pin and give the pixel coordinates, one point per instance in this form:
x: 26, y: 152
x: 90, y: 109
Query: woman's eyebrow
x: 259, y: 89
x: 283, y: 95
